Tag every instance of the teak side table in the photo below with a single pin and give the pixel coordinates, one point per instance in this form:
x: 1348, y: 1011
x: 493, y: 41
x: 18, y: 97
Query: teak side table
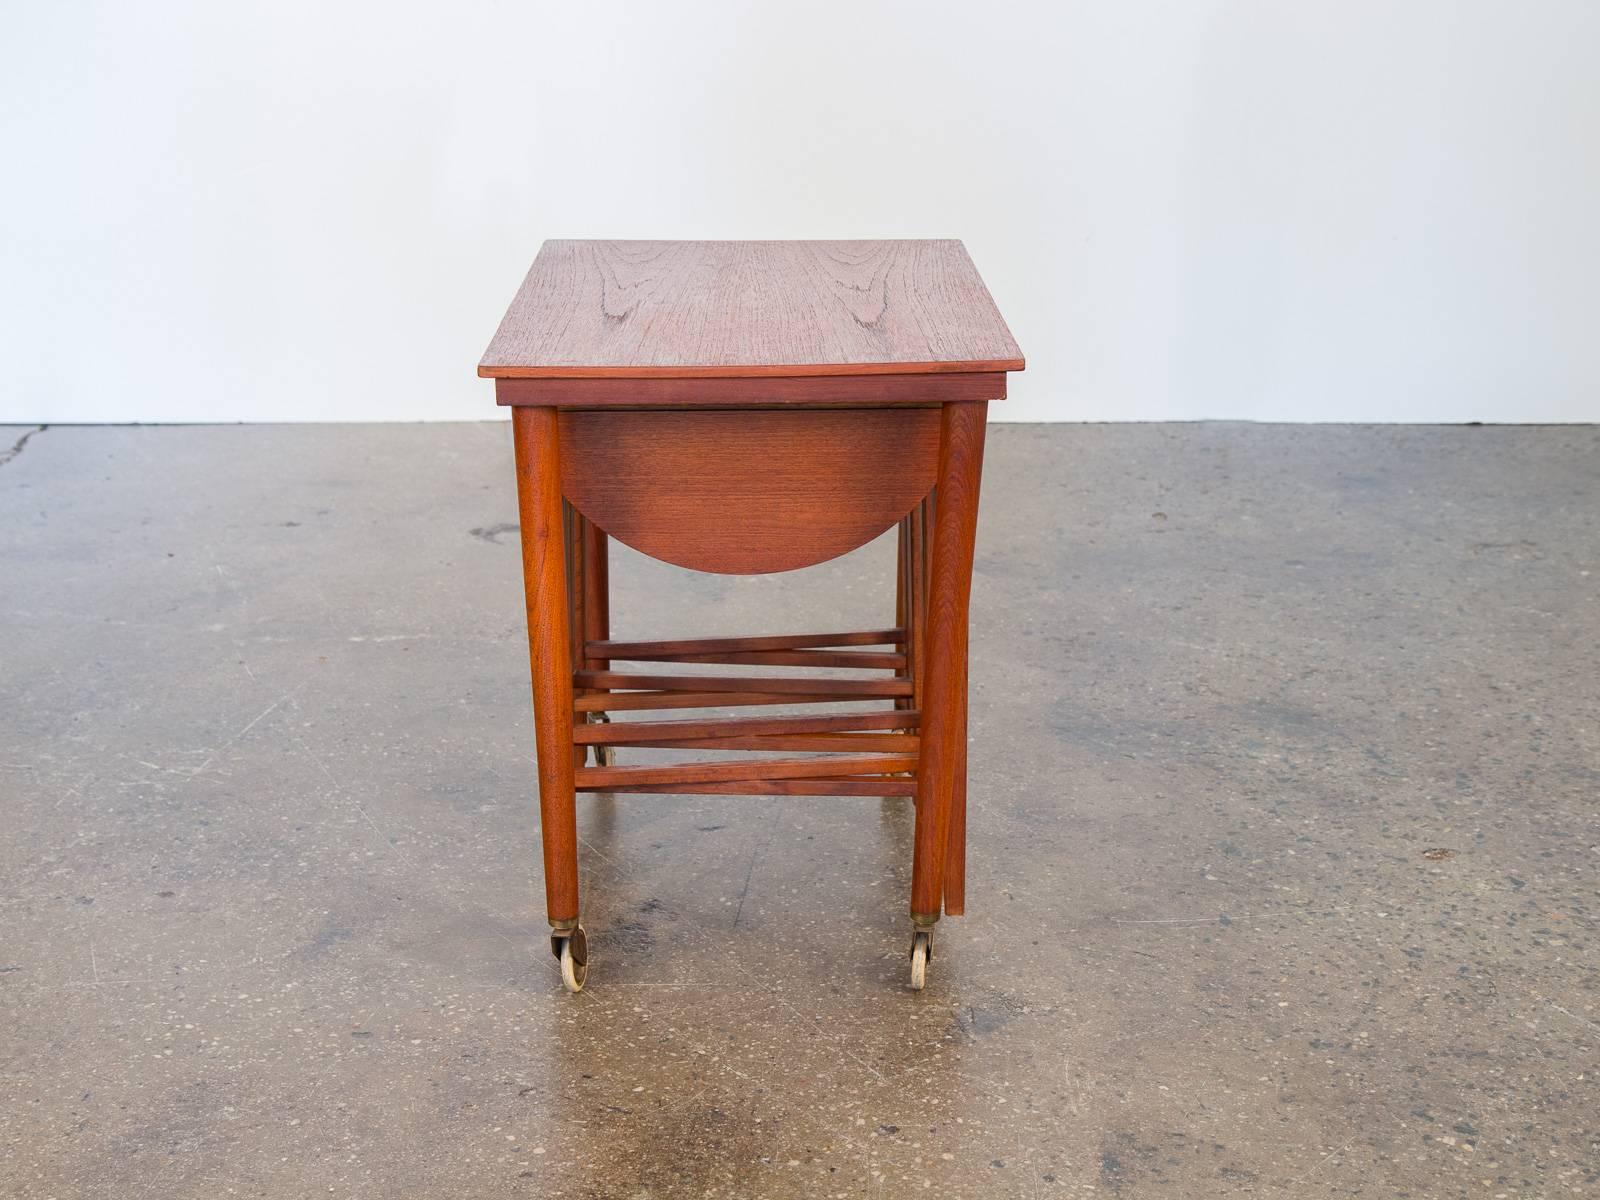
x: 745, y: 407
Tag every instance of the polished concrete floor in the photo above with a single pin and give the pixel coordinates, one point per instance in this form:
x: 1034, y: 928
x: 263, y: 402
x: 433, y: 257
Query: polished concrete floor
x: 1285, y: 863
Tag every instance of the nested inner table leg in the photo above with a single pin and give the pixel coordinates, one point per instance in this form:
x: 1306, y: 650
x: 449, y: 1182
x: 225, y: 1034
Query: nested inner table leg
x: 589, y: 602
x: 597, y: 592
x: 910, y: 612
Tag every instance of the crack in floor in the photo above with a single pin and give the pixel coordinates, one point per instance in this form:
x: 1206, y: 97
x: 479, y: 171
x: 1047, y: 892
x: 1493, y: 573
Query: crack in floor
x: 16, y: 448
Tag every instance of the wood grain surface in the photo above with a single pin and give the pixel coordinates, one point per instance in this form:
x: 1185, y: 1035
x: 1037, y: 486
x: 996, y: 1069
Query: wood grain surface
x: 747, y: 492
x: 854, y: 659
x: 881, y: 785
x: 708, y: 309
x: 775, y: 641
x: 751, y: 768
x: 644, y: 701
x: 544, y: 572
x: 943, y: 657
x: 628, y: 681
x: 754, y: 391
x: 635, y: 733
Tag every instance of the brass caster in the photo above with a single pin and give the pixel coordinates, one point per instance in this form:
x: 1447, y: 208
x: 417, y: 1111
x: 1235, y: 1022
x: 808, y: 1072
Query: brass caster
x: 921, y: 952
x: 571, y: 947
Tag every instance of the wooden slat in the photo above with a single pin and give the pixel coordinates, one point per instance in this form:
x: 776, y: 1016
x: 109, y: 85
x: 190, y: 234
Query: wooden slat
x: 604, y: 778
x: 778, y: 641
x: 616, y: 680
x: 638, y: 733
x: 644, y: 701
x: 872, y: 743
x: 889, y: 786
x: 852, y: 659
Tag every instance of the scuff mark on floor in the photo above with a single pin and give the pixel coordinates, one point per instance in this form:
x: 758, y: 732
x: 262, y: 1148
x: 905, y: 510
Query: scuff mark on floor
x: 492, y: 533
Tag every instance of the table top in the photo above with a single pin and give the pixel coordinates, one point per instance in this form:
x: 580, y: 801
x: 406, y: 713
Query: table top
x: 663, y: 310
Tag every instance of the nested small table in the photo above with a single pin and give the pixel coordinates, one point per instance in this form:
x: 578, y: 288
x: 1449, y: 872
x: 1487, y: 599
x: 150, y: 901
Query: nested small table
x: 745, y: 407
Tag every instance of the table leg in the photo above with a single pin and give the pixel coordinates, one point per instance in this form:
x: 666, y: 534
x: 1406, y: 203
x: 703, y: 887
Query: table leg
x: 955, y: 524
x: 577, y: 582
x: 917, y: 530
x: 544, y: 570
x: 902, y: 564
x: 595, y: 623
x: 955, y: 862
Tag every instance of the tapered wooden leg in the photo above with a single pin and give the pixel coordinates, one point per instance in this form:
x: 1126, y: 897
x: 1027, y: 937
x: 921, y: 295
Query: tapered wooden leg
x: 544, y: 573
x: 955, y: 860
x: 955, y: 523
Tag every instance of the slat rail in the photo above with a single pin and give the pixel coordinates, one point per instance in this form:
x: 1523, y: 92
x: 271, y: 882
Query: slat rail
x: 831, y: 766
x: 642, y: 732
x: 617, y: 680
x: 779, y: 641
x: 865, y: 660
x: 863, y: 753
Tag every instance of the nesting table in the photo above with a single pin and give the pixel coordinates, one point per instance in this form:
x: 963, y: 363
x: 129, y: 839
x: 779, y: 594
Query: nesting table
x: 742, y: 408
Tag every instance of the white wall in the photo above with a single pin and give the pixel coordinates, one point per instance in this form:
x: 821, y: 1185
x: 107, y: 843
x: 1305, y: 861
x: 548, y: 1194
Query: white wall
x: 1310, y: 210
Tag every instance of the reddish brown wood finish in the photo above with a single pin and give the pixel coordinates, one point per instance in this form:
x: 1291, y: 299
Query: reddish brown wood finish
x: 944, y: 658
x: 707, y: 309
x: 741, y: 683
x: 643, y: 732
x: 861, y: 743
x: 602, y: 778
x: 814, y: 391
x: 886, y: 786
x: 900, y: 589
x: 577, y: 585
x: 749, y: 492
x: 534, y: 436
x: 778, y: 641
x: 745, y: 407
x: 641, y: 701
x: 917, y: 610
x: 860, y: 660
x: 596, y: 594
x: 955, y: 859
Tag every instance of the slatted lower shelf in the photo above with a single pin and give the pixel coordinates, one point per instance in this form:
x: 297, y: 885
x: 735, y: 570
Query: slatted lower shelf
x: 867, y: 752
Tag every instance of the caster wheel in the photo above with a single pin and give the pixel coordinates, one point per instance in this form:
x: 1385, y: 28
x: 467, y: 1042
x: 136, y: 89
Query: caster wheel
x: 573, y: 951
x: 921, y: 952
